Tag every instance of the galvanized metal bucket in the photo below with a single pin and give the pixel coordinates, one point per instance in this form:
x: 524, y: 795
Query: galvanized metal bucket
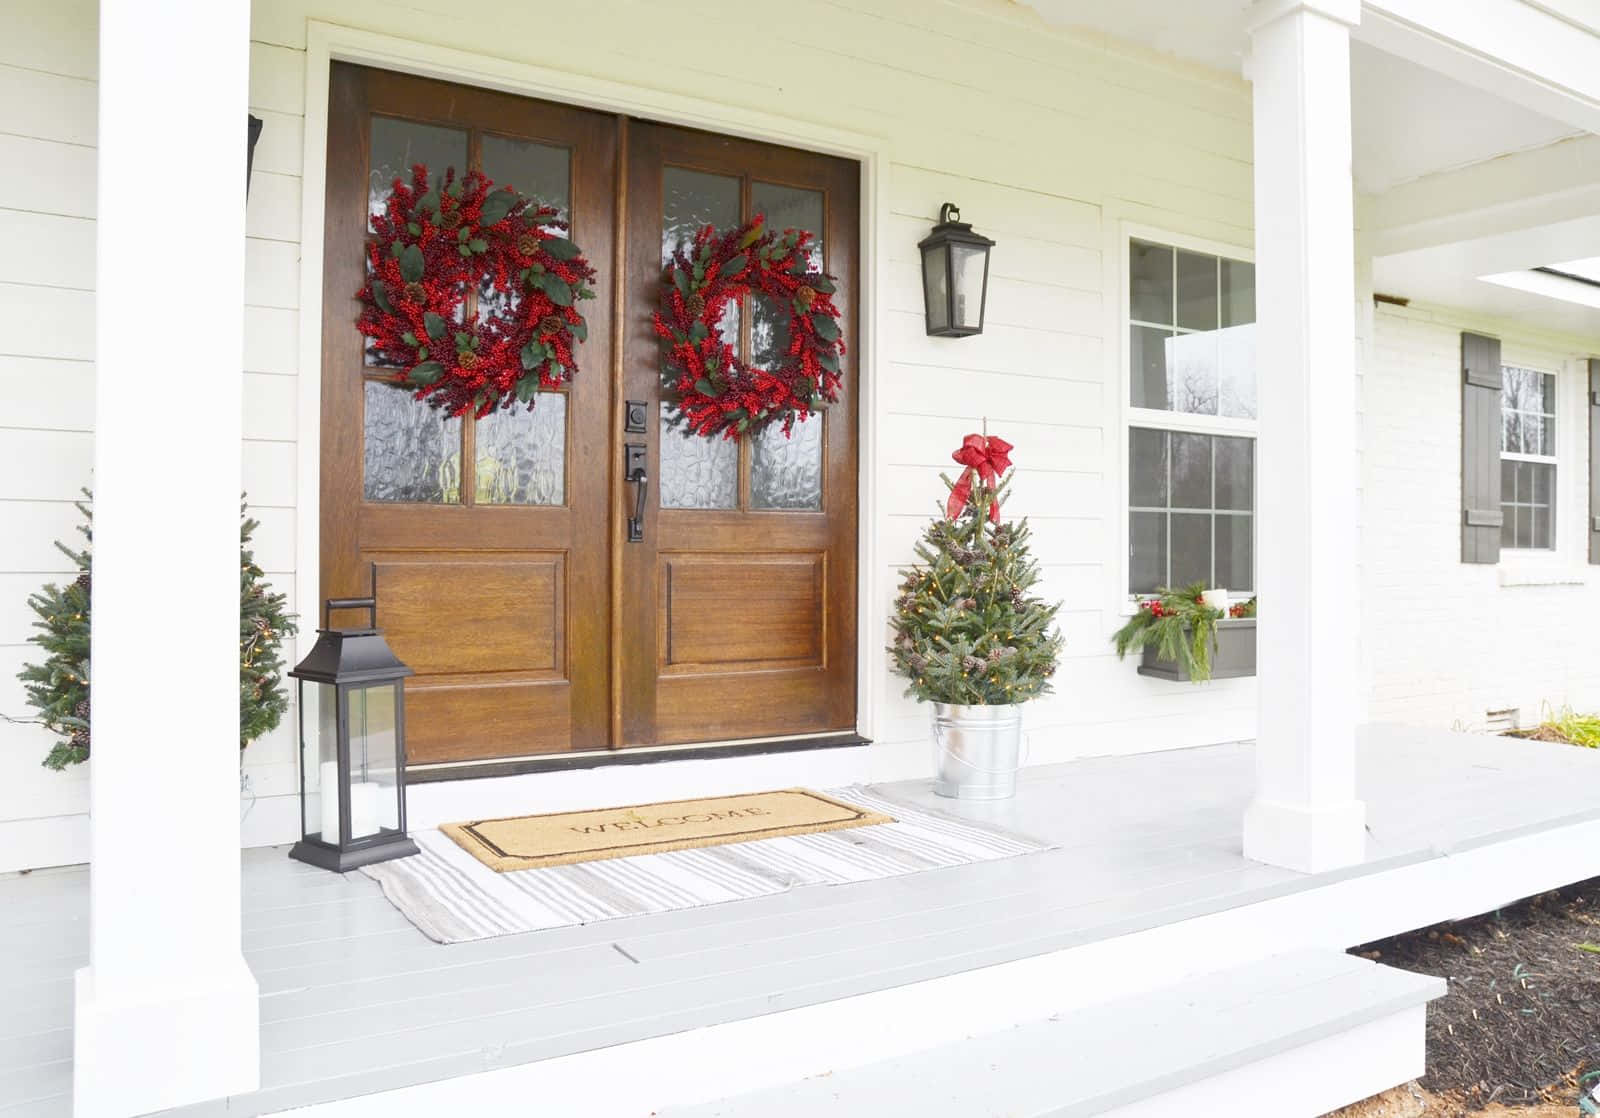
x: 977, y: 750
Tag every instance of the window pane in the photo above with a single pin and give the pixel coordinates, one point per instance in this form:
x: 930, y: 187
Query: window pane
x: 1511, y: 432
x: 1234, y: 547
x: 1192, y: 375
x: 1238, y: 293
x: 398, y: 145
x: 1197, y: 291
x: 1543, y: 483
x: 1542, y: 528
x: 1191, y: 548
x: 1191, y: 472
x: 1147, y: 468
x: 1236, y: 473
x: 1508, y: 480
x: 791, y: 207
x: 521, y: 455
x: 1533, y: 437
x: 1148, y: 353
x: 1508, y: 525
x: 1524, y: 525
x: 1236, y: 367
x: 1548, y: 403
x: 411, y: 452
x: 540, y: 171
x: 1147, y: 551
x: 1149, y: 282
x: 786, y: 473
x: 696, y: 472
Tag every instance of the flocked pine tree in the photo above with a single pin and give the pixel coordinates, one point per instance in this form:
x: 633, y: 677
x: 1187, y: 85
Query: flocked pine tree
x: 966, y: 628
x: 58, y: 687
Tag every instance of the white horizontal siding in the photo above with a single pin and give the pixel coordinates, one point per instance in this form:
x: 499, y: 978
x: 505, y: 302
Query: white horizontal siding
x: 1044, y: 140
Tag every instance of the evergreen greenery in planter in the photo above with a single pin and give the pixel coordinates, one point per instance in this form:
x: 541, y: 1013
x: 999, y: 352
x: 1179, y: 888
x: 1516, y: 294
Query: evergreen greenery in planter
x: 1180, y: 626
x: 966, y: 630
x: 58, y: 687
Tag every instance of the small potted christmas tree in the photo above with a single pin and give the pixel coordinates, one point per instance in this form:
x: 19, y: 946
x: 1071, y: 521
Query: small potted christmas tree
x: 968, y: 636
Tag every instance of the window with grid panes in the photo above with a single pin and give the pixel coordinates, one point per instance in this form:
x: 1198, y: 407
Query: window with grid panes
x: 1527, y: 459
x: 1192, y: 407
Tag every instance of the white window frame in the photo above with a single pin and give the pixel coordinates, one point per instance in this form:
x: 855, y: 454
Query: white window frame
x: 1130, y: 417
x: 1557, y: 535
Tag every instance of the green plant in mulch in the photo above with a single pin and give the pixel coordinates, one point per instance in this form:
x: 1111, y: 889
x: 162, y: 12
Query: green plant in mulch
x: 1179, y: 625
x: 58, y: 686
x: 1569, y: 726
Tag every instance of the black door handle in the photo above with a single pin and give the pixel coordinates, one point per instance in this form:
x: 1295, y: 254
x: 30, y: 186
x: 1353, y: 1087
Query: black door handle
x: 633, y: 470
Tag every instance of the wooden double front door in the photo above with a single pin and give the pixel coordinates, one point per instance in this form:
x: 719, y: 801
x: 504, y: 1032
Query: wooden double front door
x: 504, y: 571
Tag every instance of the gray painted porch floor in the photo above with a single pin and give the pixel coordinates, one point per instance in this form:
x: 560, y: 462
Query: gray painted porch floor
x: 353, y: 999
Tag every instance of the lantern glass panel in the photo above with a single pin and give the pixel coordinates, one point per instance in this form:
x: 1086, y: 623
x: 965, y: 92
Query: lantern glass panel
x: 969, y: 263
x: 374, y: 798
x: 936, y: 286
x: 319, y: 761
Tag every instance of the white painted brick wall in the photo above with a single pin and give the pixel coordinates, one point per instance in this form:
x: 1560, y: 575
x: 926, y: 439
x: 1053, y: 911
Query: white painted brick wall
x: 1446, y: 641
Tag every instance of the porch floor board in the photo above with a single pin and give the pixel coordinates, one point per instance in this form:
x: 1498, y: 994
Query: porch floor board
x: 353, y: 999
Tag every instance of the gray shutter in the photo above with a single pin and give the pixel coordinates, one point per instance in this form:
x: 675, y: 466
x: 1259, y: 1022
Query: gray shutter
x: 1594, y: 459
x: 1480, y: 449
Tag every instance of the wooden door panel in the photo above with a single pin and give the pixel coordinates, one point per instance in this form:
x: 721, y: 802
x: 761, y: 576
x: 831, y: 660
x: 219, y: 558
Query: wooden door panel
x: 449, y: 614
x: 746, y: 613
x: 492, y: 554
x: 510, y: 719
x: 747, y: 569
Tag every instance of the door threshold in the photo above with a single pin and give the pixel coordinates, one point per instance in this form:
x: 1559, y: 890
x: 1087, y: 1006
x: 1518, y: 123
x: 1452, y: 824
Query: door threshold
x: 598, y: 758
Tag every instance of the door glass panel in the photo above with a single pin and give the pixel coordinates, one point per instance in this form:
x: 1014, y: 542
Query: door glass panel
x: 696, y: 472
x: 521, y: 455
x: 398, y: 145
x: 692, y: 199
x: 791, y: 207
x: 540, y: 171
x: 786, y: 473
x: 411, y: 452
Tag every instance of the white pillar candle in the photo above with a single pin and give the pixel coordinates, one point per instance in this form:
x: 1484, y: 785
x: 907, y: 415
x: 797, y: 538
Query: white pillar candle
x: 365, y: 797
x: 1216, y: 599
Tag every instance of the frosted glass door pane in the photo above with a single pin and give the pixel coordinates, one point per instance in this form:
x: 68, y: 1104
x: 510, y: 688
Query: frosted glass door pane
x: 522, y: 455
x: 791, y: 207
x: 411, y: 452
x: 540, y: 171
x: 692, y: 199
x: 786, y: 473
x: 696, y: 472
x: 397, y: 145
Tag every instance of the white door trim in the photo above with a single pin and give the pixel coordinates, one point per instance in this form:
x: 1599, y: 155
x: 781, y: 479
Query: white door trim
x: 327, y: 42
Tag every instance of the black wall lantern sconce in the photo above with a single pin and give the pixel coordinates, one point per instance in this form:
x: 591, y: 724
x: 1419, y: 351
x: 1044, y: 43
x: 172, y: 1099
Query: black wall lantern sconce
x: 955, y: 276
x: 351, y: 702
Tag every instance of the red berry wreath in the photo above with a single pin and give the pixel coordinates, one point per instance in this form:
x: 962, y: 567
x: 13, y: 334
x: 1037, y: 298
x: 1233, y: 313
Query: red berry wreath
x: 718, y: 393
x: 433, y: 247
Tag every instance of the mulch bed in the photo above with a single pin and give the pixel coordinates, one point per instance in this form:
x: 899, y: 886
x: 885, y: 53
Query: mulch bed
x: 1521, y: 1022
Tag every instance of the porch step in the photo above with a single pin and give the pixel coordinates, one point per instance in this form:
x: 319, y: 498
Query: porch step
x: 1293, y: 1035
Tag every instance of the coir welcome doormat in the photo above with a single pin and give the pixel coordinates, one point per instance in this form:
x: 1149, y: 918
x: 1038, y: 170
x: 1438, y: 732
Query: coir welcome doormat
x: 563, y: 838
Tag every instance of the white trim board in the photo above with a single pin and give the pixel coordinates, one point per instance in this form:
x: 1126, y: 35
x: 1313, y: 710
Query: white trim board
x: 1328, y: 911
x: 327, y: 42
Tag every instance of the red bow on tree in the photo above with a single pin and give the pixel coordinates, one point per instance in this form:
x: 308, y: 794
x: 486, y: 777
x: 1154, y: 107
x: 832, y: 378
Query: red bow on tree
x: 986, y: 457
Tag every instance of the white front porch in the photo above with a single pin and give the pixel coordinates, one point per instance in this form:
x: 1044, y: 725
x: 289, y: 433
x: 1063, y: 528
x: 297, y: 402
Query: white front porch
x: 1148, y: 886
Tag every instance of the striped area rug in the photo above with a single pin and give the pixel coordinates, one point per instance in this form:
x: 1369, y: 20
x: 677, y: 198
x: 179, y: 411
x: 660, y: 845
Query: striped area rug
x: 453, y: 898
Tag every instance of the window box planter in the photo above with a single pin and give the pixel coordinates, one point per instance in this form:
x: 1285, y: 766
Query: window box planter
x: 1234, y: 656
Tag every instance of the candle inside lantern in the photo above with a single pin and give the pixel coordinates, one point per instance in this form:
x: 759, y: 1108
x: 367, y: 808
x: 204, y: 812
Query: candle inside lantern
x: 365, y: 796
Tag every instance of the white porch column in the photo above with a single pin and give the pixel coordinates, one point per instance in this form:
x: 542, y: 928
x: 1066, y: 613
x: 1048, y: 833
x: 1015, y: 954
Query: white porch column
x: 1305, y: 814
x: 166, y: 1010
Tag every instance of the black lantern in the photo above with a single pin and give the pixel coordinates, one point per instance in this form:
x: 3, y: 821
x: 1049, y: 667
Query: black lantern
x: 955, y: 276
x: 352, y: 746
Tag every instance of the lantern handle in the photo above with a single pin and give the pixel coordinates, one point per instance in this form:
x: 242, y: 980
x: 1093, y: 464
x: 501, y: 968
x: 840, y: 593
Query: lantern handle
x: 949, y: 212
x: 369, y: 604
